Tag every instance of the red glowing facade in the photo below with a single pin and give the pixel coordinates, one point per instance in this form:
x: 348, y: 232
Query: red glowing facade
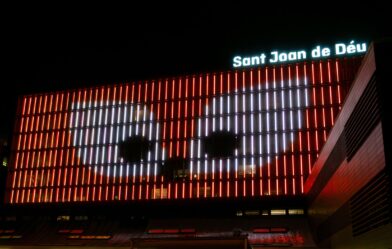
x: 66, y: 144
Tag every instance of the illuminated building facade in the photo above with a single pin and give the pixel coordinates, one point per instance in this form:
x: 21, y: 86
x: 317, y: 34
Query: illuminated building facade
x: 80, y: 145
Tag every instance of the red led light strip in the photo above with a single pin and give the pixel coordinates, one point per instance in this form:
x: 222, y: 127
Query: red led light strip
x: 45, y: 152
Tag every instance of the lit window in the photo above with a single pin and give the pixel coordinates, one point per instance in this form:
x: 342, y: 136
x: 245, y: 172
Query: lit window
x: 296, y: 212
x: 252, y: 212
x: 63, y: 218
x: 159, y: 194
x: 249, y: 169
x: 181, y: 173
x: 278, y: 212
x: 204, y: 191
x: 103, y: 237
x: 81, y: 217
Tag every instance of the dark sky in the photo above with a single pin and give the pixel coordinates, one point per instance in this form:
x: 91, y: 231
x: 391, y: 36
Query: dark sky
x: 47, y: 48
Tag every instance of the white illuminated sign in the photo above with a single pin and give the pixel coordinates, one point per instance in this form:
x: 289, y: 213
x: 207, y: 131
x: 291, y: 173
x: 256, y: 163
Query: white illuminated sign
x: 319, y: 52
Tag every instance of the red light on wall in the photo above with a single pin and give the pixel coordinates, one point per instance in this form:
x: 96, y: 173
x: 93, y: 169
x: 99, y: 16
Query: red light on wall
x: 170, y: 231
x: 67, y: 144
x: 261, y: 230
x: 278, y: 230
x: 187, y: 230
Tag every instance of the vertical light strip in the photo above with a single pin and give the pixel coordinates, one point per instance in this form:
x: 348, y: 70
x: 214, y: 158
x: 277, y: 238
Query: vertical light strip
x: 98, y: 137
x: 283, y: 97
x: 236, y: 131
x: 158, y: 141
x: 106, y: 145
x: 141, y: 171
x: 116, y: 101
x: 192, y: 136
x: 156, y: 154
x: 80, y: 165
x: 259, y: 101
x: 206, y: 131
x: 178, y: 119
x: 24, y: 106
x: 186, y: 119
x: 56, y: 146
x: 221, y: 102
x: 32, y: 159
x: 78, y: 134
x: 60, y: 146
x: 199, y: 136
x: 299, y: 119
x: 220, y: 176
x: 88, y: 128
x: 252, y: 146
x: 130, y: 122
x: 151, y: 119
x: 322, y: 101
x: 315, y: 110
x: 330, y: 93
x: 267, y: 103
x: 293, y: 172
x: 338, y: 83
x: 125, y: 133
x: 171, y: 120
x: 228, y: 113
x: 18, y: 163
x: 131, y: 116
x: 125, y: 120
x: 93, y: 144
x: 123, y: 177
x: 145, y: 109
x: 69, y: 161
x: 220, y: 128
x: 133, y: 181
x: 165, y: 120
x: 213, y: 129
x: 141, y: 165
x: 93, y: 147
x: 244, y: 140
x: 40, y: 140
x: 119, y: 124
x: 276, y: 151
x: 26, y: 154
x: 307, y: 121
x: 104, y: 160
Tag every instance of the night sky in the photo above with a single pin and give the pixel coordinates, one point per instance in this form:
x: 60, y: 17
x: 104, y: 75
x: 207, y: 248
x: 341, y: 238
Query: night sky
x: 57, y: 48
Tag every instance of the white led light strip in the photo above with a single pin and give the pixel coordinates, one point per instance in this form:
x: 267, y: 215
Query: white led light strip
x: 256, y: 106
x: 99, y: 127
x: 112, y: 122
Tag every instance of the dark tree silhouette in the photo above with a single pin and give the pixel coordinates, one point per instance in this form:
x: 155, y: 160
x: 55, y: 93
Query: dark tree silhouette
x: 221, y: 144
x: 133, y: 149
x: 171, y: 166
